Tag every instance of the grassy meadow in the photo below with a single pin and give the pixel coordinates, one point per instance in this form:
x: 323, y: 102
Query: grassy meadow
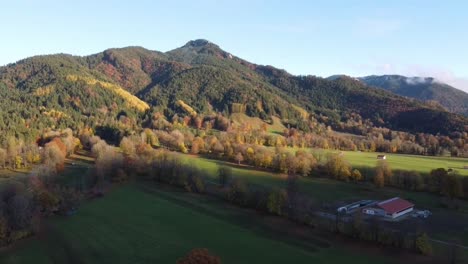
x: 421, y: 164
x: 322, y: 189
x: 134, y: 225
x: 131, y: 225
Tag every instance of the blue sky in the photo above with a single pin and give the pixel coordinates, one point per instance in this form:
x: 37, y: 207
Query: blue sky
x: 417, y: 38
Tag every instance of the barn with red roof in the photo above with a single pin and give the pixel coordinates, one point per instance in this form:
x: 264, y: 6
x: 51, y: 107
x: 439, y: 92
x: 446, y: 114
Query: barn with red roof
x: 391, y: 208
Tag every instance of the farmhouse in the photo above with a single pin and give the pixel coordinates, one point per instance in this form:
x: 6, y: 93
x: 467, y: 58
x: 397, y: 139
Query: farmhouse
x: 381, y: 157
x: 391, y: 208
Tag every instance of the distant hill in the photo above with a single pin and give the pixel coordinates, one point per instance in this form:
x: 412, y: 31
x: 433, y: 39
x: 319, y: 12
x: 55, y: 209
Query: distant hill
x: 424, y: 89
x: 63, y: 90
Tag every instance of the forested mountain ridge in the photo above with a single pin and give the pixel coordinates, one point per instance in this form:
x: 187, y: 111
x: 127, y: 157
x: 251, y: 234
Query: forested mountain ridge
x: 424, y: 89
x: 71, y: 91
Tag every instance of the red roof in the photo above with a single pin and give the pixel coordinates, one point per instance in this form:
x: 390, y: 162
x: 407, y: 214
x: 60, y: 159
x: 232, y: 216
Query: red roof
x: 395, y: 205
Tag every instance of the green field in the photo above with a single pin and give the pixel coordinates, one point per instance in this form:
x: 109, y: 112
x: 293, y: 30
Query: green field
x: 327, y: 190
x: 132, y: 225
x: 322, y: 189
x: 422, y: 164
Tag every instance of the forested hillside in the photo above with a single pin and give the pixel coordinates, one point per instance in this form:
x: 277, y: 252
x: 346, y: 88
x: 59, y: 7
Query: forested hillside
x: 123, y: 88
x: 423, y: 89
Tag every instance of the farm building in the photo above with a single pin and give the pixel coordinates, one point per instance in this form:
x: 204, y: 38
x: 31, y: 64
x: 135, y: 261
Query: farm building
x: 391, y: 208
x: 349, y: 208
x: 381, y: 157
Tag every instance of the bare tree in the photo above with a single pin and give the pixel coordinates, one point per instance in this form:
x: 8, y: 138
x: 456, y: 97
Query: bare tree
x: 239, y: 158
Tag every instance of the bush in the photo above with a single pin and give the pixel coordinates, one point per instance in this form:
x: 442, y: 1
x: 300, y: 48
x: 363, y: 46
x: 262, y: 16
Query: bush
x: 3, y: 230
x: 356, y: 175
x: 277, y: 201
x: 199, y: 256
x: 20, y: 234
x: 224, y: 175
x: 48, y: 201
x: 238, y: 192
x: 195, y: 184
x: 120, y: 176
x: 423, y: 245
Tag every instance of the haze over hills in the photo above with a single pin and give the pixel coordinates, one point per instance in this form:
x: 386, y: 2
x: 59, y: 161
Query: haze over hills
x: 422, y: 88
x: 62, y: 90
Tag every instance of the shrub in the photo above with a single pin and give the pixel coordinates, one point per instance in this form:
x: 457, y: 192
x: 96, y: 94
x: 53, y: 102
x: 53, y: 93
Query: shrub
x: 277, y: 201
x: 423, y: 245
x: 199, y: 256
x: 238, y: 192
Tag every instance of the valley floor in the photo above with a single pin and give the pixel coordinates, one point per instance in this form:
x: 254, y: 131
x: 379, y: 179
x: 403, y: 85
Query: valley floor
x: 139, y: 224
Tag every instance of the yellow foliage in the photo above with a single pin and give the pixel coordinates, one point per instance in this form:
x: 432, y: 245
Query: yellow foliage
x: 238, y: 108
x: 129, y: 98
x: 187, y: 108
x: 55, y: 114
x: 41, y: 91
x: 18, y: 161
x: 301, y: 111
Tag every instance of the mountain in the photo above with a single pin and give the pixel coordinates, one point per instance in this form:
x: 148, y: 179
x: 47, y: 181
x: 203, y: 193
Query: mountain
x: 63, y: 90
x: 424, y: 89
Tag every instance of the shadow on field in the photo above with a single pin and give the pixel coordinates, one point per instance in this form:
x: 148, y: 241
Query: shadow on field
x: 57, y: 247
x: 267, y: 226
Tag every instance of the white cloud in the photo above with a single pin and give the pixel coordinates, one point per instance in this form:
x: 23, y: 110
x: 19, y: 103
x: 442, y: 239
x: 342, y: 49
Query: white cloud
x: 415, y: 80
x: 439, y: 74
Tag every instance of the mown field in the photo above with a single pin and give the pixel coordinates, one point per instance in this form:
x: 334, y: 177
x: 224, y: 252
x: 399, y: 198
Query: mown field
x: 445, y: 221
x: 132, y: 225
x: 322, y: 189
x: 421, y: 164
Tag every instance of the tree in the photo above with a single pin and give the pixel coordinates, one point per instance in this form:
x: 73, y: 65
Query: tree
x: 128, y: 147
x: 357, y: 223
x: 379, y: 179
x: 224, y: 175
x: 385, y: 171
x: 423, y: 245
x: 452, y: 186
x: 19, y: 211
x: 198, y: 145
x: 107, y: 164
x: 239, y: 158
x: 48, y: 201
x: 3, y: 157
x: 454, y: 251
x: 54, y: 155
x: 69, y: 141
x: 199, y: 256
x: 437, y: 178
x: 276, y: 201
x: 292, y: 191
x: 4, y: 229
x: 238, y: 191
x: 356, y: 175
x: 337, y: 167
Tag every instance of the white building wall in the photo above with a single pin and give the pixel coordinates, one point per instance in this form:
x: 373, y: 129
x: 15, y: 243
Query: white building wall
x: 395, y: 215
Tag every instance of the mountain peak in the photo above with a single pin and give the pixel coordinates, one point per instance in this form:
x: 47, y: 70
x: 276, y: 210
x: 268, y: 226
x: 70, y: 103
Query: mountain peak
x: 191, y: 51
x: 199, y: 43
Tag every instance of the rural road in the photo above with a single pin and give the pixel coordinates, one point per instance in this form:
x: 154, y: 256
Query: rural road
x: 448, y: 243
